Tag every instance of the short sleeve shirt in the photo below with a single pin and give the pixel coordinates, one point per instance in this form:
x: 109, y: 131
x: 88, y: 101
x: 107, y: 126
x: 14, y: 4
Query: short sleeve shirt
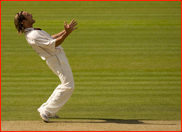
x: 42, y: 42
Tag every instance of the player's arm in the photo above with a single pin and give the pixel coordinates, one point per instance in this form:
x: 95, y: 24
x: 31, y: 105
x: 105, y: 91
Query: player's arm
x: 60, y: 39
x: 68, y: 29
x: 58, y: 35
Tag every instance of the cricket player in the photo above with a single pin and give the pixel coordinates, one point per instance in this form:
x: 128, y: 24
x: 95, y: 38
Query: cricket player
x: 49, y: 49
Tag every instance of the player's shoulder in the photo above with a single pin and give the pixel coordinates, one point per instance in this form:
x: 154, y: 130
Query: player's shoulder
x: 34, y: 34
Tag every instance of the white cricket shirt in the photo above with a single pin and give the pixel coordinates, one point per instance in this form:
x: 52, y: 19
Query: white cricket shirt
x: 42, y: 43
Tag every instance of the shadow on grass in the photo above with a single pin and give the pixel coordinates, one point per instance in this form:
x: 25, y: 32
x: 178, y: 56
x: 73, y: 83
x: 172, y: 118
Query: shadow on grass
x: 94, y: 120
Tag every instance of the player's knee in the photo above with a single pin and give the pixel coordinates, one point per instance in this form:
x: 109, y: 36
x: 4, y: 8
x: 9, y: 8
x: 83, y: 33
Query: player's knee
x: 70, y: 85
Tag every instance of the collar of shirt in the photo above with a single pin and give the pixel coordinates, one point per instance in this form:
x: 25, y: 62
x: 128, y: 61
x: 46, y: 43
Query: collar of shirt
x: 28, y: 29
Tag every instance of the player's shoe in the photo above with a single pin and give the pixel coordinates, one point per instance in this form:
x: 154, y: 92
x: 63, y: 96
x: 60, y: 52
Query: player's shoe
x: 45, y: 116
x: 55, y: 116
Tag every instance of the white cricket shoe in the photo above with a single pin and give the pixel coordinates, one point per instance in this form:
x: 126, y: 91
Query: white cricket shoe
x: 55, y: 116
x: 45, y: 116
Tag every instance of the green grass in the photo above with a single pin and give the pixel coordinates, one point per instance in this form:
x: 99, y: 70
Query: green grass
x: 125, y: 57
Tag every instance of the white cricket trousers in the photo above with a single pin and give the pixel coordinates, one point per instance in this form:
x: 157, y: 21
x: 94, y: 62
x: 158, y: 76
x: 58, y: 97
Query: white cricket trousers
x: 60, y: 66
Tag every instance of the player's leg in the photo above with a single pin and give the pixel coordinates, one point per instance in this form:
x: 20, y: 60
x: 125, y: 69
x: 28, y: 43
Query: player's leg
x: 60, y: 66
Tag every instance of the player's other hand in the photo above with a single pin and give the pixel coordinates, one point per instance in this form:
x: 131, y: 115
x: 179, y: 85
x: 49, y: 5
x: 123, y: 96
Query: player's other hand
x: 70, y: 27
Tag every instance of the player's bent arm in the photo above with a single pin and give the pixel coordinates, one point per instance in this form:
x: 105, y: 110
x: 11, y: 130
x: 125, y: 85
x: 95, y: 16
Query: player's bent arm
x: 67, y: 30
x: 58, y: 35
x: 60, y: 39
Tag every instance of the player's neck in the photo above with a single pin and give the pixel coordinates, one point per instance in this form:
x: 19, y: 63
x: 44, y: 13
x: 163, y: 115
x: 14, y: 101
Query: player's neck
x: 28, y: 26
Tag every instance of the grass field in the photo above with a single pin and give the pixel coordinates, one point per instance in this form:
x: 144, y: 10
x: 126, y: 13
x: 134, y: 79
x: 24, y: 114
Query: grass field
x: 125, y: 57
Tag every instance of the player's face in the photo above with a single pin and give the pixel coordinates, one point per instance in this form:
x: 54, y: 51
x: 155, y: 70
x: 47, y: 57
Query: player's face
x: 29, y: 18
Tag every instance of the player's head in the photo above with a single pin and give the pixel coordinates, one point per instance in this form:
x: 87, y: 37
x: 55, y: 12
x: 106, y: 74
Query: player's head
x: 23, y: 20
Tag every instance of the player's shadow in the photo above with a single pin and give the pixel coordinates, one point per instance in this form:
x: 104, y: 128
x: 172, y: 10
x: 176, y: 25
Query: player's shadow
x: 95, y: 120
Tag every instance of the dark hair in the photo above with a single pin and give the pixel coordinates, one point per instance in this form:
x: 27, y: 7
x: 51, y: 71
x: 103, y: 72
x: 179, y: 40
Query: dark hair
x: 18, y: 22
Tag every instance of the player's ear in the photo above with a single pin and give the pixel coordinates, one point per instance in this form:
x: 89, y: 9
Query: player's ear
x: 24, y: 21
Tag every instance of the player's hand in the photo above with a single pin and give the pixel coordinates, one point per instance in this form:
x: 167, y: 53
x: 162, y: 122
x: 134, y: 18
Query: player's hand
x: 70, y: 27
